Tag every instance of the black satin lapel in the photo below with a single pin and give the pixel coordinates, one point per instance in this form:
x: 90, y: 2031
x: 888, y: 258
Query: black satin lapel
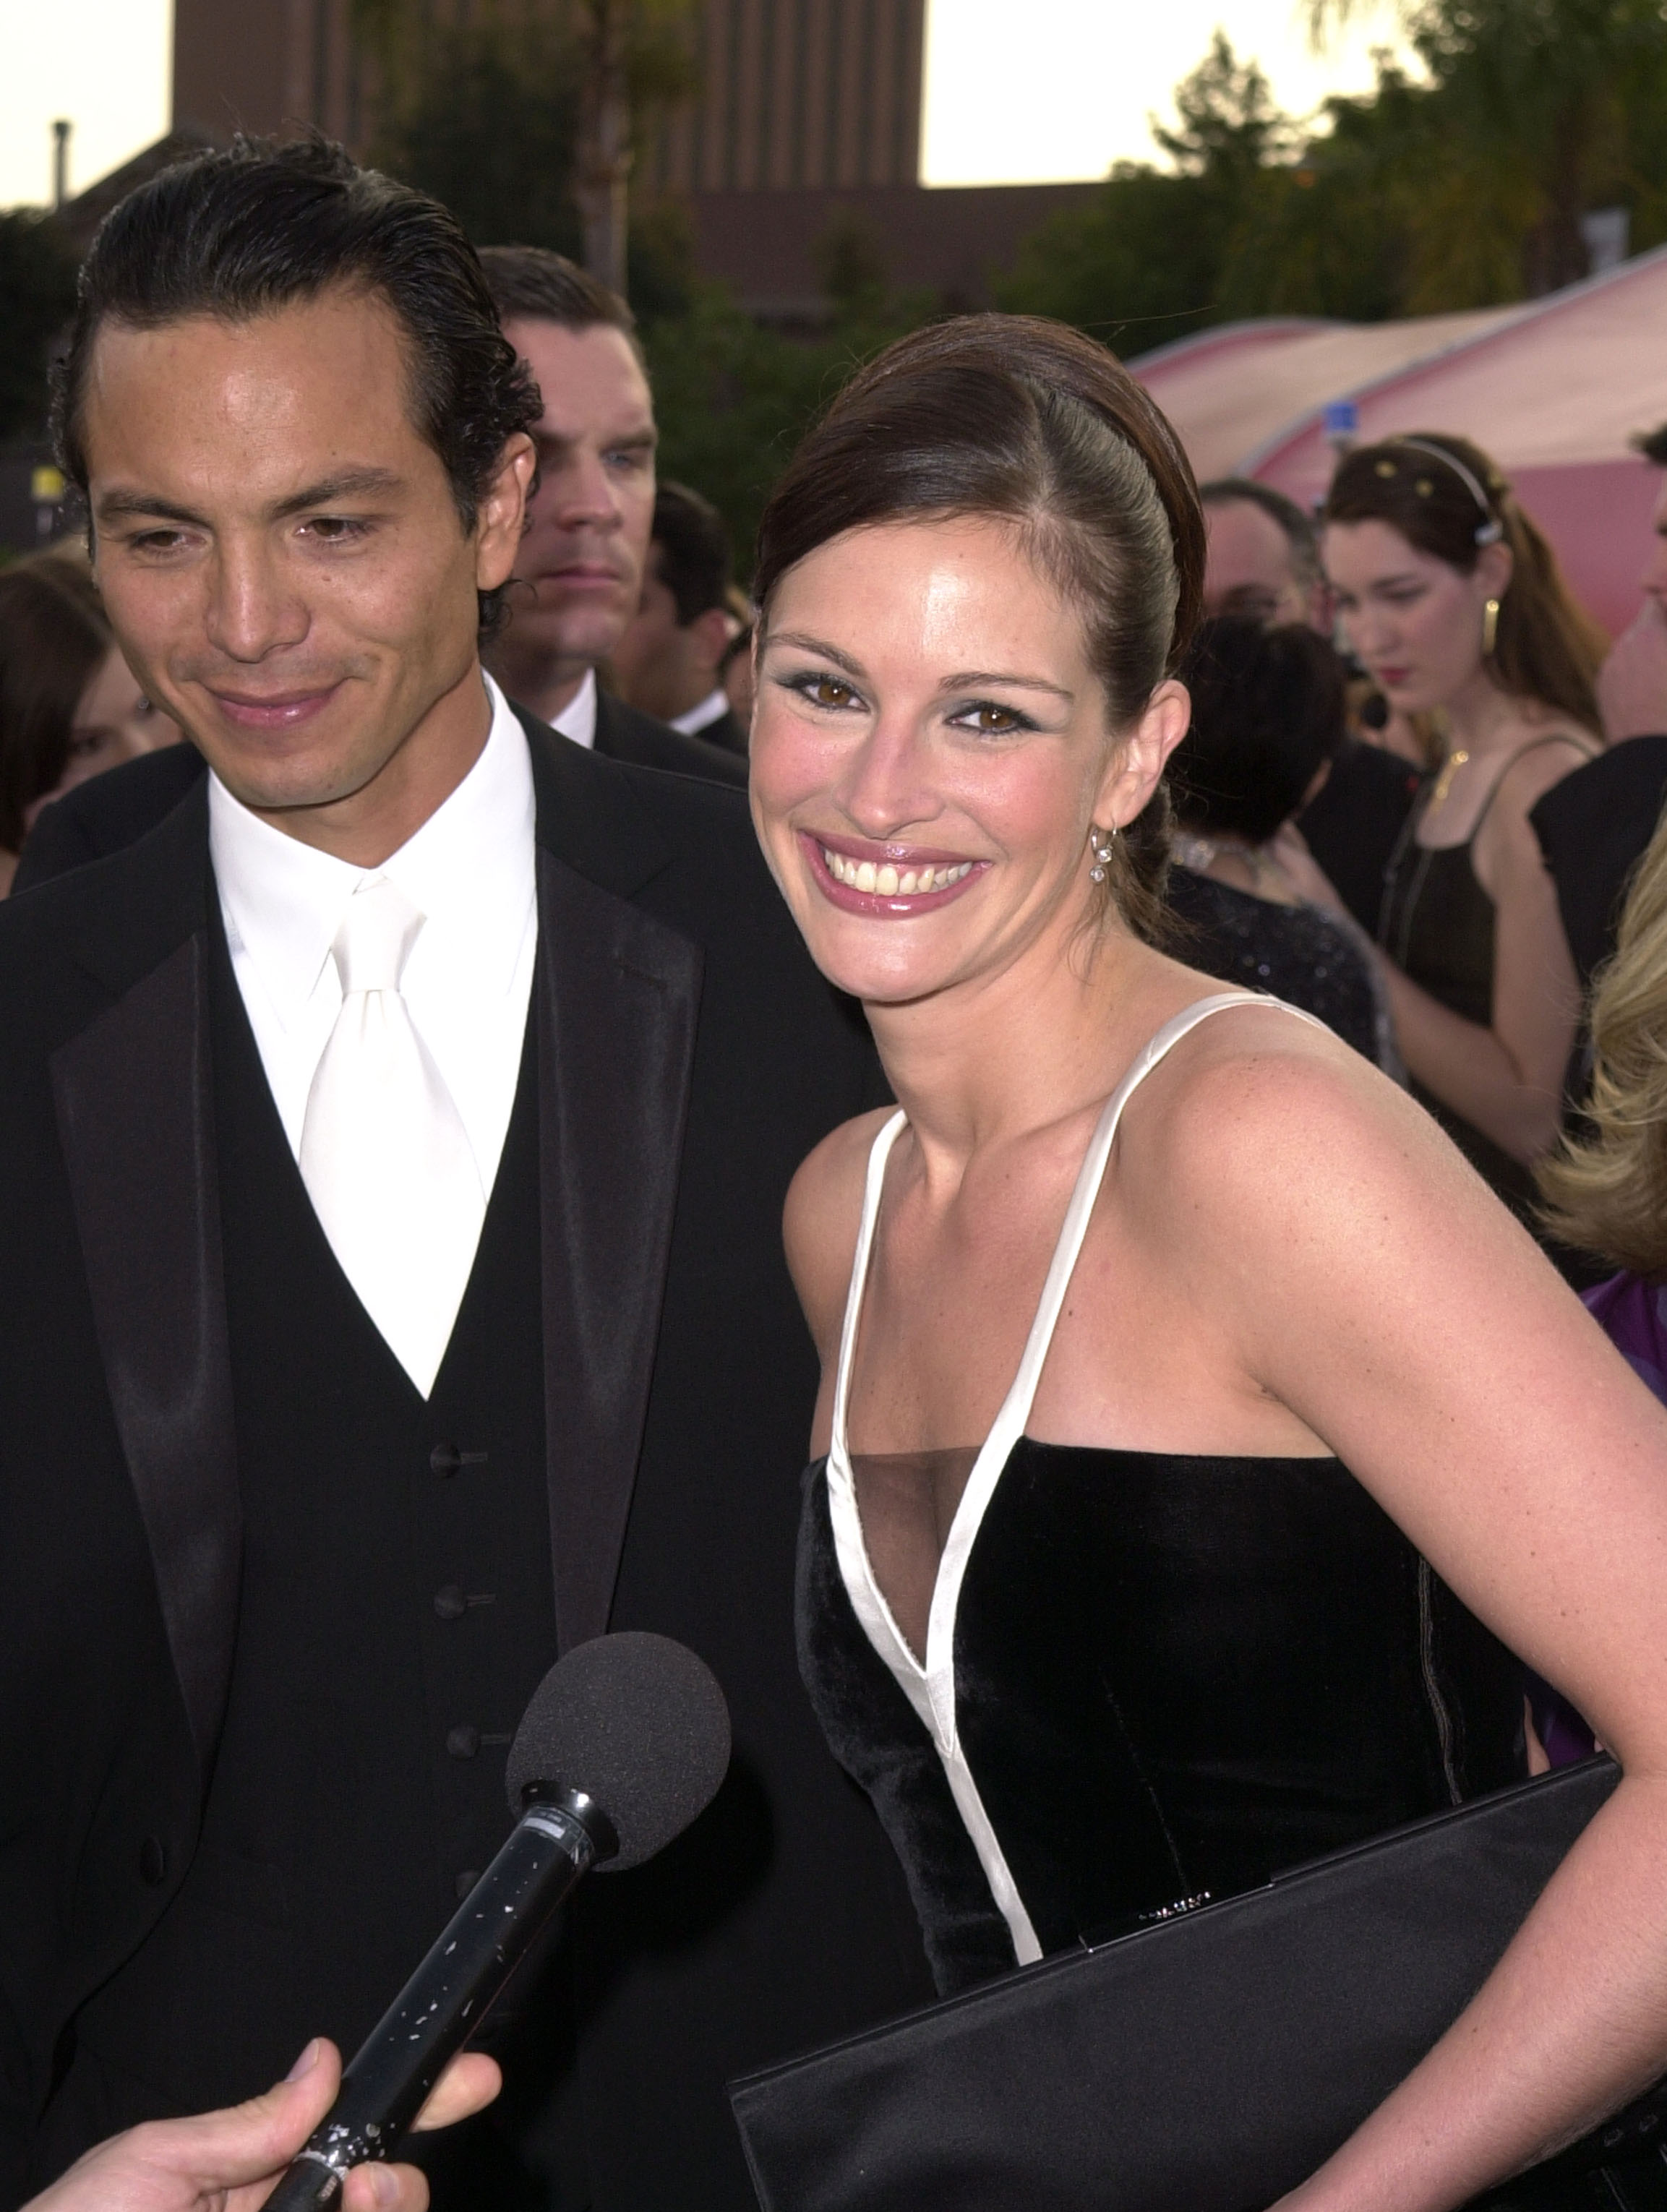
x: 616, y: 1007
x: 134, y: 1117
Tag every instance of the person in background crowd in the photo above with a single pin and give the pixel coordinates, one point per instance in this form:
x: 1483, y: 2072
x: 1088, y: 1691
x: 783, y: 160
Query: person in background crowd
x: 1267, y: 717
x: 1203, y: 1441
x: 579, y: 578
x: 1451, y: 598
x: 1262, y: 560
x: 669, y: 660
x: 229, y: 2160
x: 1594, y: 825
x: 69, y: 706
x: 1263, y: 557
x: 735, y: 669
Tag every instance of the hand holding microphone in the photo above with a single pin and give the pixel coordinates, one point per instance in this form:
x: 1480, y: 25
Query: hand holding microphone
x: 227, y: 2161
x: 626, y: 1741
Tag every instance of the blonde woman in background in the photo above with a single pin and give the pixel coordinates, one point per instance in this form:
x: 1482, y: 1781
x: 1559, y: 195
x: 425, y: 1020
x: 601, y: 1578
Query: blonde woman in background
x: 1606, y: 1193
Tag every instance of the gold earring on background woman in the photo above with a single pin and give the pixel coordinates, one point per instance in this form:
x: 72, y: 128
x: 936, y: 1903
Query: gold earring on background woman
x: 1490, y: 627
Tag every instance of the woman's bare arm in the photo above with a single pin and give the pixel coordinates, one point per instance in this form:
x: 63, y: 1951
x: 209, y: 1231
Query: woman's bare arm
x: 1506, y: 1079
x: 1374, y: 1286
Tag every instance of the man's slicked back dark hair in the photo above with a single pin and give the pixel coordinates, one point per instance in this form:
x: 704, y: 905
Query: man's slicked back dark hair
x: 538, y: 285
x: 264, y: 225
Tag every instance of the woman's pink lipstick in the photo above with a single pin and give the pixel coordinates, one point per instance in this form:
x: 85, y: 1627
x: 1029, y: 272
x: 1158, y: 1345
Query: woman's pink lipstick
x: 900, y: 862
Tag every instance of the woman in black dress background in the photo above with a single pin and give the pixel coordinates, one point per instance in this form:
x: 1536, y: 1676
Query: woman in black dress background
x: 1453, y: 601
x: 1199, y: 1435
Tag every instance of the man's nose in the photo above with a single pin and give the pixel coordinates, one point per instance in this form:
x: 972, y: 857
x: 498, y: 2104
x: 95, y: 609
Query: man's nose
x: 253, y: 607
x: 585, y: 492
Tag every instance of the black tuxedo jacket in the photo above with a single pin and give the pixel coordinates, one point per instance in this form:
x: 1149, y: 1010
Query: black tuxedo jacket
x: 687, y: 1056
x: 101, y: 816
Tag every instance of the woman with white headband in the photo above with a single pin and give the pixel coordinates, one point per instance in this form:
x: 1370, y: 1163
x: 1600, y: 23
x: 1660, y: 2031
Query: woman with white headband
x: 1453, y: 599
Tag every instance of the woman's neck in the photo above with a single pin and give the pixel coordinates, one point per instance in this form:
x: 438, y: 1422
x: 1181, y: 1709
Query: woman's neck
x: 1481, y: 717
x: 997, y: 1056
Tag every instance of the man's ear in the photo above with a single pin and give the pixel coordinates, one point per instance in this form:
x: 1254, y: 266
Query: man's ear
x: 711, y: 632
x: 503, y: 516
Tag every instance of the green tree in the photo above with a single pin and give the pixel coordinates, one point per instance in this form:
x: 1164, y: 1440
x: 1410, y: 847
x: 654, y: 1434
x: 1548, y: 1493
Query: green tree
x: 1147, y: 261
x: 37, y: 293
x: 522, y: 119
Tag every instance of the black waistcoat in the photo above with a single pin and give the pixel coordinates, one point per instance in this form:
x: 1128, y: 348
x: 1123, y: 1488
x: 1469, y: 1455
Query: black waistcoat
x: 396, y: 1612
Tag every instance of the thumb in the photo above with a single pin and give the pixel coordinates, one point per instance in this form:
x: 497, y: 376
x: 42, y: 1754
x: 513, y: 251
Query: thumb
x: 252, y: 2141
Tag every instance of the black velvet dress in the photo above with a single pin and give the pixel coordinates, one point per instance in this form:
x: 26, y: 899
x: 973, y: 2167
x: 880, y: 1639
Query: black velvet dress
x: 1146, y: 1677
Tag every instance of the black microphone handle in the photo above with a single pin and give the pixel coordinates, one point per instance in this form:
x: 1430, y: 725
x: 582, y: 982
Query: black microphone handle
x: 553, y: 1845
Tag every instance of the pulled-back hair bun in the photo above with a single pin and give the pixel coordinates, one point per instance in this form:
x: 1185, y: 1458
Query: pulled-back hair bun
x: 1029, y: 422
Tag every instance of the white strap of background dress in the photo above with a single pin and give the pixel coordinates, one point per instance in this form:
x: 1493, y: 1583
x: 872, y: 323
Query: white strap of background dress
x: 931, y: 1689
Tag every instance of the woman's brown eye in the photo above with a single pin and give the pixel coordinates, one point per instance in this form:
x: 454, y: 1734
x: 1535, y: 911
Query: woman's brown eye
x: 830, y: 694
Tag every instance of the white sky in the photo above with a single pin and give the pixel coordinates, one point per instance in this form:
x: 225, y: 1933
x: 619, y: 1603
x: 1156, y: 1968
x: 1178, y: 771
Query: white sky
x: 1064, y: 98
x: 1070, y: 93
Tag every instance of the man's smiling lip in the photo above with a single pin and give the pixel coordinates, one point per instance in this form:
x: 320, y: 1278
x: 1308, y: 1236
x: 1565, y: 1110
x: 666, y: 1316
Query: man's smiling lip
x: 272, y: 710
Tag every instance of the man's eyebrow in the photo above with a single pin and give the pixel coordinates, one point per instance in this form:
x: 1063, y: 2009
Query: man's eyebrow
x: 347, y: 483
x: 807, y: 644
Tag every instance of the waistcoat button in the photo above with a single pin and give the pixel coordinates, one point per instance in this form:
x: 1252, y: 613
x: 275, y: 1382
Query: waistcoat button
x: 445, y: 1459
x: 463, y: 1742
x: 152, y: 1862
x: 450, y: 1603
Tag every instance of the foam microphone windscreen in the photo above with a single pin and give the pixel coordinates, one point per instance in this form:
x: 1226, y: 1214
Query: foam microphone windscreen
x: 636, y: 1722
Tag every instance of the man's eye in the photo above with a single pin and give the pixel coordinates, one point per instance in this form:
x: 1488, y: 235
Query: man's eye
x: 335, y: 529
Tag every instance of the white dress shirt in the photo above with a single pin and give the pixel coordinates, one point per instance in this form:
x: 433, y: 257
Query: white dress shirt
x: 577, y: 719
x: 710, y: 709
x: 471, y: 870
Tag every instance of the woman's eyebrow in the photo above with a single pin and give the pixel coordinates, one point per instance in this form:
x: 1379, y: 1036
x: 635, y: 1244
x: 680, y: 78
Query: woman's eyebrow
x: 818, y: 645
x: 966, y: 678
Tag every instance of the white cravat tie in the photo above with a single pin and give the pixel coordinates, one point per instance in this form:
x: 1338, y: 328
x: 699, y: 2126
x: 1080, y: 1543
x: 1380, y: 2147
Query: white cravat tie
x: 384, y: 1154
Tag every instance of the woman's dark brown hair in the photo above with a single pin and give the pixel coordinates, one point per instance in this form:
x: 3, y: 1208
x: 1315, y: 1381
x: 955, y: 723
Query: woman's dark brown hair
x: 52, y: 642
x: 1546, y: 647
x: 1028, y: 422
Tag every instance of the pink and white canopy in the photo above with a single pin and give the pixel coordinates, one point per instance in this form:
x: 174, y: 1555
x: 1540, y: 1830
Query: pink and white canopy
x: 1554, y: 391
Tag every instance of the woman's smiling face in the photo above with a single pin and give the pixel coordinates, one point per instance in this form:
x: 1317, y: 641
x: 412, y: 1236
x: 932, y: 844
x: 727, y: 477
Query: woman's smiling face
x: 930, y: 746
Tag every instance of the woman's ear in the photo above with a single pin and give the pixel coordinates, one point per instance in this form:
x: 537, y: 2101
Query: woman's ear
x: 1140, y: 757
x: 1495, y: 566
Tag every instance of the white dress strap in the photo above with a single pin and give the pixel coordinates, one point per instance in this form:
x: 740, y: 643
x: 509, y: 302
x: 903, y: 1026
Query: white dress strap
x: 930, y: 1688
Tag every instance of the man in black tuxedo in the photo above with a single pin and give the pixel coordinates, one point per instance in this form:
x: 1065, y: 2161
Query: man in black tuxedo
x: 394, y: 1139
x: 671, y: 658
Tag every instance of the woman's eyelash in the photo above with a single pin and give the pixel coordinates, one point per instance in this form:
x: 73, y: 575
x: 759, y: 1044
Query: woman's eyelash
x: 814, y: 679
x: 1013, y: 720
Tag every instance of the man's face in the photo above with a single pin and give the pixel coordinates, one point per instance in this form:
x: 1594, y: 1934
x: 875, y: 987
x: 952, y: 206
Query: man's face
x: 280, y: 556
x: 1248, y: 570
x: 587, y: 536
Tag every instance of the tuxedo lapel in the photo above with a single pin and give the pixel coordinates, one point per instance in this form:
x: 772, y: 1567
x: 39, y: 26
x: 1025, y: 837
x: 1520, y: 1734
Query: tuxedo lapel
x: 133, y: 1095
x: 615, y: 1008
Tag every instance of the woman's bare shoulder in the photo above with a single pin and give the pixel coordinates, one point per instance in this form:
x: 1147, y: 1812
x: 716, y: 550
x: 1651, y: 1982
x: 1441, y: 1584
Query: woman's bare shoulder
x: 819, y: 1220
x: 1260, y: 1119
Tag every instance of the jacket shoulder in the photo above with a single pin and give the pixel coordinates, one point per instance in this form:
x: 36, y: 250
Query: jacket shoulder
x: 107, y: 813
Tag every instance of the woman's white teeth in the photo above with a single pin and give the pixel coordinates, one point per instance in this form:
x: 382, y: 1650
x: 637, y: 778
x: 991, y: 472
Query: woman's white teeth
x: 864, y: 876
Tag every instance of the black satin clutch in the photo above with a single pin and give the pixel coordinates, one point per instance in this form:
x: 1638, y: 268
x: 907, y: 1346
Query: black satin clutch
x: 1207, y: 2063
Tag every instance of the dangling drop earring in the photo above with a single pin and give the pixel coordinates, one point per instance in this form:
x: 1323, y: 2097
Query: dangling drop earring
x: 1490, y: 627
x: 1099, y: 844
